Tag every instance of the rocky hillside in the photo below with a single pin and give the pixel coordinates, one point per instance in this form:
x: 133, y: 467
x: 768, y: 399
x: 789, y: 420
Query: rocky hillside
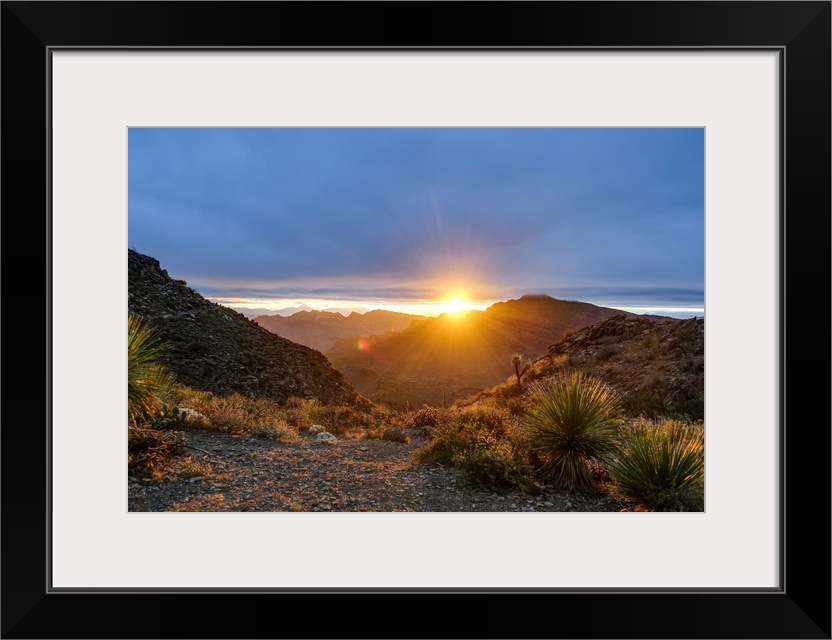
x: 456, y: 355
x: 322, y: 329
x: 656, y: 365
x: 213, y: 348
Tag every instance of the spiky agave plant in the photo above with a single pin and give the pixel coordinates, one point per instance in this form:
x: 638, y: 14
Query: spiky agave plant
x: 572, y: 420
x: 663, y: 466
x: 147, y: 379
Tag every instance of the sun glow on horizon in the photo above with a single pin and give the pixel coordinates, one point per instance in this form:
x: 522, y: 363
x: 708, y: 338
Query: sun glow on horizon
x: 456, y: 303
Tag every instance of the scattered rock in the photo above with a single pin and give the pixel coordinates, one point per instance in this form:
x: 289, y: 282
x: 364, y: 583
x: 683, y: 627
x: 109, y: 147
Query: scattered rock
x: 300, y: 476
x: 191, y: 413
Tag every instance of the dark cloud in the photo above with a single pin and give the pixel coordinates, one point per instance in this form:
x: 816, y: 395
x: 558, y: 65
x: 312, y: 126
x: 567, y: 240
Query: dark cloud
x: 353, y: 212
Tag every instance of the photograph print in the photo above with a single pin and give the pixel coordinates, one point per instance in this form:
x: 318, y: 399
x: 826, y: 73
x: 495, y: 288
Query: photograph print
x: 416, y: 320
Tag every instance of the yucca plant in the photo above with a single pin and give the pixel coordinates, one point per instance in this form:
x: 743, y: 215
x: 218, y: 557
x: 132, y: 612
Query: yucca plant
x: 663, y: 467
x: 517, y: 360
x: 572, y: 421
x: 148, y: 382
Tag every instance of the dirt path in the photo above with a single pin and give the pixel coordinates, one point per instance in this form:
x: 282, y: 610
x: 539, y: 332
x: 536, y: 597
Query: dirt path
x: 251, y: 474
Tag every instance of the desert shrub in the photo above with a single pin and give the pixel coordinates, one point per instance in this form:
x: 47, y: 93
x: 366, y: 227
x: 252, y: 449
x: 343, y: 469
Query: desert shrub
x: 390, y: 433
x: 653, y: 404
x: 238, y: 414
x: 505, y: 390
x: 508, y: 396
x: 568, y: 333
x: 296, y: 402
x: 191, y: 467
x: 302, y: 413
x: 395, y: 434
x: 689, y: 405
x: 461, y: 430
x: 491, y: 421
x: 425, y: 418
x: 483, y: 443
x: 497, y: 468
x: 149, y: 450
x: 275, y: 430
x: 514, y: 405
x: 228, y: 414
x: 148, y: 382
x: 694, y: 364
x: 572, y: 421
x: 663, y: 466
x: 607, y: 351
x: 648, y: 341
x: 659, y: 403
x: 686, y: 340
x: 373, y: 434
x: 630, y: 357
x: 447, y: 440
x: 337, y: 419
x: 263, y: 409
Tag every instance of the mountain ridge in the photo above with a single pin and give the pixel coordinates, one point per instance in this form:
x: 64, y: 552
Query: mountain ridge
x: 321, y: 330
x: 214, y: 348
x: 656, y: 365
x: 445, y: 358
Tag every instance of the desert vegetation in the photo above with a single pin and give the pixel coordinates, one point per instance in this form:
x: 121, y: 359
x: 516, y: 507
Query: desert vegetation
x: 571, y: 423
x: 572, y: 434
x: 148, y: 381
x: 661, y: 465
x: 613, y: 409
x: 568, y: 432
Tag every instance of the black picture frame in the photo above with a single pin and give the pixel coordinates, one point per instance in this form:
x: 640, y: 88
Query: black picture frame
x: 800, y: 31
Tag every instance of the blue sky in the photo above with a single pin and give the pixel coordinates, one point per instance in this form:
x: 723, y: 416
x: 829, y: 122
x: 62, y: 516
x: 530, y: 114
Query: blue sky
x: 403, y: 218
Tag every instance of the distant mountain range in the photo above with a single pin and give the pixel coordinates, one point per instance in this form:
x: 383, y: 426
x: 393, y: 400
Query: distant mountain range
x: 404, y: 360
x: 323, y: 329
x: 346, y: 311
x: 213, y: 348
x: 252, y: 313
x: 452, y: 356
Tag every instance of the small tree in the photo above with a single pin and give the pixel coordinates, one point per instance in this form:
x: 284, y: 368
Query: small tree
x: 517, y: 360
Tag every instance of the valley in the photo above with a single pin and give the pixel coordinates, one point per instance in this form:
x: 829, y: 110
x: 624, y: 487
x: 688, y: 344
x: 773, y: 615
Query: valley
x: 447, y: 413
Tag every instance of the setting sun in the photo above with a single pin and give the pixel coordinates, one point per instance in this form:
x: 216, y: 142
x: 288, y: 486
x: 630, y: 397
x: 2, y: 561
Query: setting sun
x: 455, y: 303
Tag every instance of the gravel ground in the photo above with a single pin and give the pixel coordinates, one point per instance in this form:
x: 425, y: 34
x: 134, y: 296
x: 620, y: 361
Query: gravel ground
x: 251, y: 474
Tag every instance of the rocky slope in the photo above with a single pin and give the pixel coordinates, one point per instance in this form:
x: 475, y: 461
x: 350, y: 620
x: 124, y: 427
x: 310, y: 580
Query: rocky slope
x: 657, y: 365
x: 212, y: 348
